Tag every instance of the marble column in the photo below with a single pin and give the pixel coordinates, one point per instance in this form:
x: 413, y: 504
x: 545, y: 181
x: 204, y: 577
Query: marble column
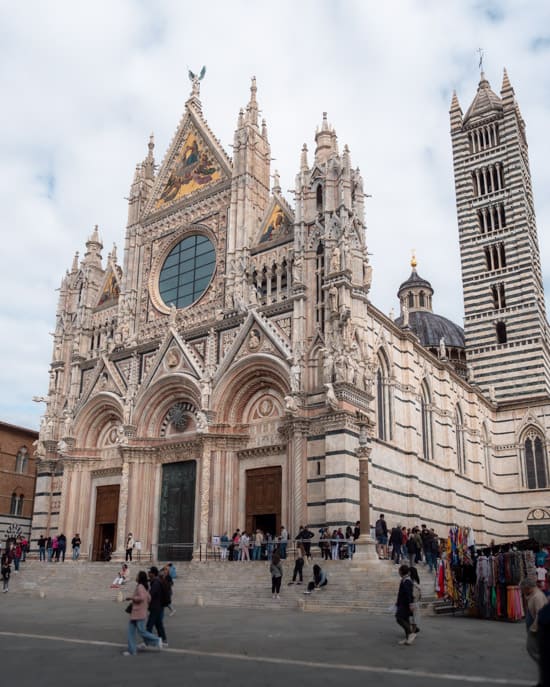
x: 365, y: 552
x: 122, y: 510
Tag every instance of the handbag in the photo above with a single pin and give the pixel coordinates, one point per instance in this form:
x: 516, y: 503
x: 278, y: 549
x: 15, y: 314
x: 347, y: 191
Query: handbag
x: 128, y: 608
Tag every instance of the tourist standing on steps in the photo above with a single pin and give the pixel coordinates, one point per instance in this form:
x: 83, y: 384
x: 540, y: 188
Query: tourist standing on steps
x: 55, y: 547
x: 75, y: 544
x: 156, y: 608
x: 42, y: 548
x: 5, y: 570
x: 298, y: 565
x: 140, y: 600
x: 130, y: 542
x: 381, y: 534
x: 107, y: 550
x: 49, y: 549
x: 61, y: 547
x: 245, y: 540
x: 405, y: 604
x: 283, y: 541
x: 276, y: 571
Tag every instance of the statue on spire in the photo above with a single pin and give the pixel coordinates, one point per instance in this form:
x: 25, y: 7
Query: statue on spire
x: 195, y: 80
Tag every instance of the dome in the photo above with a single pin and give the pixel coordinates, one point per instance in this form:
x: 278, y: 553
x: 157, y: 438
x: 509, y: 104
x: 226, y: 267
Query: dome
x: 431, y: 328
x: 415, y: 281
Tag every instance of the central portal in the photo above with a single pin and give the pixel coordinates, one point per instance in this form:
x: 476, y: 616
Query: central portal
x: 177, y: 511
x: 263, y: 499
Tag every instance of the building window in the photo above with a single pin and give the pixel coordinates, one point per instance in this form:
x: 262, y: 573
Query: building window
x: 187, y: 271
x: 502, y: 337
x: 411, y: 300
x: 460, y: 449
x: 22, y: 460
x: 426, y: 417
x: 16, y: 505
x: 499, y: 296
x: 383, y: 398
x: 319, y: 198
x: 536, y: 473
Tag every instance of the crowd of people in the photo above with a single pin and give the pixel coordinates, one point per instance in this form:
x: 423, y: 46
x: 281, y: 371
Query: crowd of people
x: 411, y: 544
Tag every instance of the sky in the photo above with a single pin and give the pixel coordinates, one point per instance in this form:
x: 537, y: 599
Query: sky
x: 84, y: 85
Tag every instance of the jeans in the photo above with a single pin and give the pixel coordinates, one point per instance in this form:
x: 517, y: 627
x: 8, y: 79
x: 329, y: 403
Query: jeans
x: 62, y: 553
x: 42, y: 553
x: 138, y: 627
x: 257, y: 553
x: 156, y: 618
x: 429, y: 560
x: 16, y: 563
x: 282, y: 549
x: 76, y: 553
x: 298, y: 570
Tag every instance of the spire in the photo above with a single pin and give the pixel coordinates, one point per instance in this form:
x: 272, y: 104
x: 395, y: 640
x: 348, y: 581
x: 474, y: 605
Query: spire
x: 455, y: 112
x: 303, y: 159
x: 276, y: 182
x: 252, y: 107
x: 94, y: 238
x: 485, y: 101
x: 264, y: 129
x: 74, y: 267
x: 325, y: 138
x: 506, y: 92
x: 113, y: 253
x: 149, y: 162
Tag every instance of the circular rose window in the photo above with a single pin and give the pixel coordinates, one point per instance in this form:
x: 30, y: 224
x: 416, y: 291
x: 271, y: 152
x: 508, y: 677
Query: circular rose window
x: 187, y: 271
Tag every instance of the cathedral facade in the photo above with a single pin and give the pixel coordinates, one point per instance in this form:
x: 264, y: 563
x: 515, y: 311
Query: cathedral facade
x: 233, y: 372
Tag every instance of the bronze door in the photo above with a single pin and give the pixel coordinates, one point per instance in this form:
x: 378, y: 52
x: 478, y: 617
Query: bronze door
x: 106, y: 518
x: 177, y: 511
x: 263, y: 499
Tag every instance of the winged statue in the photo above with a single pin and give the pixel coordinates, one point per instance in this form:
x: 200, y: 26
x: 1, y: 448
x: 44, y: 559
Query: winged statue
x: 193, y: 77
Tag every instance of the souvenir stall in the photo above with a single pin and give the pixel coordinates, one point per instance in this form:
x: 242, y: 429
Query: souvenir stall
x: 484, y: 583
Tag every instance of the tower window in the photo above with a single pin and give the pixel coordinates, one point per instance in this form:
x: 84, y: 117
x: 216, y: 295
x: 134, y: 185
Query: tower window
x: 536, y: 473
x: 421, y: 299
x: 499, y: 296
x: 501, y: 333
x: 411, y: 300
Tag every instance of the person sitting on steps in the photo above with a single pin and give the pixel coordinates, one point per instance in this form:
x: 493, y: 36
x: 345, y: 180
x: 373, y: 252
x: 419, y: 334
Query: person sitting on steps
x: 320, y: 580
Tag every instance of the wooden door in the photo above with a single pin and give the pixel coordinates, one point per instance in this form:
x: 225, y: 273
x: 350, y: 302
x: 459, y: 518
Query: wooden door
x: 106, y: 518
x: 263, y: 497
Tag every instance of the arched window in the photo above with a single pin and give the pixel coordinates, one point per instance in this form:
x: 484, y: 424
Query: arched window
x: 16, y: 504
x: 383, y: 398
x: 486, y: 448
x: 319, y: 291
x: 426, y: 420
x: 536, y: 469
x: 460, y: 449
x: 22, y: 460
x: 319, y: 198
x: 411, y: 300
x: 421, y: 299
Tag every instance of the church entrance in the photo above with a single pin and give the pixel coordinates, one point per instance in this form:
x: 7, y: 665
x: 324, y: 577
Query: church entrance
x: 263, y: 499
x: 177, y: 511
x: 106, y: 518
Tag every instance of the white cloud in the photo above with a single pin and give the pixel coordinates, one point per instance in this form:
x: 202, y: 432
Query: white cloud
x: 84, y: 84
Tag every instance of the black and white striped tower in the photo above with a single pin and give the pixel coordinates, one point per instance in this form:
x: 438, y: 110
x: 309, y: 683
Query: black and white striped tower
x: 505, y: 323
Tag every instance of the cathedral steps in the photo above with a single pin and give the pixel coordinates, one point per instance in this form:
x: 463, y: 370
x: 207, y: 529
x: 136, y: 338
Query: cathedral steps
x: 229, y: 584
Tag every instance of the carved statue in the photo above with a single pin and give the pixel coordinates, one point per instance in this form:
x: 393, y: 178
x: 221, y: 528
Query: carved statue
x: 39, y: 450
x: 332, y: 401
x: 62, y: 447
x: 252, y: 295
x: 328, y: 365
x: 206, y: 390
x: 297, y: 268
x: 291, y: 406
x: 335, y: 260
x: 172, y: 358
x: 469, y: 373
x: 442, y: 348
x: 202, y: 421
x: 405, y: 311
x: 295, y: 373
x: 333, y: 299
x: 172, y: 317
x: 67, y: 423
x: 121, y: 437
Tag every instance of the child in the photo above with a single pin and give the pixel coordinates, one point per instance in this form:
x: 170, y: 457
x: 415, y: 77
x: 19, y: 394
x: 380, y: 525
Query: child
x: 122, y: 576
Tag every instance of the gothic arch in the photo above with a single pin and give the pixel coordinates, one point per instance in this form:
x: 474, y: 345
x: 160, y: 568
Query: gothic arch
x: 486, y: 448
x: 243, y: 380
x: 155, y: 404
x: 95, y: 419
x: 426, y: 423
x: 533, y: 458
x: 460, y: 440
x: 384, y: 412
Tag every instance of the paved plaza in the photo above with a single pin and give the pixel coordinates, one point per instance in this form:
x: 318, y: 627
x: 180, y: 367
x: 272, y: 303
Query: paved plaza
x: 52, y: 642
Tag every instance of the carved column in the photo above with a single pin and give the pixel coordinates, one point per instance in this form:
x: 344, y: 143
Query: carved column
x: 204, y: 506
x: 366, y: 548
x: 122, y: 508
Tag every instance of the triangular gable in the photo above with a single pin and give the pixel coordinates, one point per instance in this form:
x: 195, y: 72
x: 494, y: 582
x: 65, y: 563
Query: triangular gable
x: 194, y: 162
x: 105, y: 378
x: 110, y: 290
x: 278, y: 222
x: 257, y: 335
x: 174, y: 355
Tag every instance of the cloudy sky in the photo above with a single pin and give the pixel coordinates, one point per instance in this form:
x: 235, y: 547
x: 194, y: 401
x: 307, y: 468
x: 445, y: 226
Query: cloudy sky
x: 84, y: 84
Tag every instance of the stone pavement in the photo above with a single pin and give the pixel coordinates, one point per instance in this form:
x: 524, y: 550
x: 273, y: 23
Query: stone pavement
x: 79, y: 642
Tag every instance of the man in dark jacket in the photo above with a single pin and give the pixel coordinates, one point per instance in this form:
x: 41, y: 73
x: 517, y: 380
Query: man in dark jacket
x: 156, y: 608
x: 396, y: 542
x: 403, y: 610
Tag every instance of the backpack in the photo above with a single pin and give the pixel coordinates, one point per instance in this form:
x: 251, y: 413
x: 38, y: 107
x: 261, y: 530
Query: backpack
x: 411, y: 545
x: 379, y: 529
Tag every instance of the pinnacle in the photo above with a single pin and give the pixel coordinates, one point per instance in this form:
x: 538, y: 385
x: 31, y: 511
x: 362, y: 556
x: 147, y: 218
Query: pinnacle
x: 506, y: 85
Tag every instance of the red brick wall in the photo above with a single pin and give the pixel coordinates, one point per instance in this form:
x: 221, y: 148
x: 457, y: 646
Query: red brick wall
x: 11, y: 440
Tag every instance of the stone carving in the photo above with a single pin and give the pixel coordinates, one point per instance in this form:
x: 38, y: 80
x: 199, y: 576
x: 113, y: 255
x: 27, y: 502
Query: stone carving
x: 335, y: 260
x: 172, y: 358
x: 328, y: 365
x: 331, y: 399
x: 442, y: 348
x: 202, y: 421
x: 295, y: 374
x: 206, y: 390
x: 291, y: 405
x: 254, y: 340
x: 121, y: 437
x: 62, y: 447
x: 39, y: 450
x: 405, y: 310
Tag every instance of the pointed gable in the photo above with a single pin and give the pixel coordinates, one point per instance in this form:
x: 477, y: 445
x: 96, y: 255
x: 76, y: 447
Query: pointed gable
x: 278, y: 222
x: 110, y: 290
x: 194, y: 162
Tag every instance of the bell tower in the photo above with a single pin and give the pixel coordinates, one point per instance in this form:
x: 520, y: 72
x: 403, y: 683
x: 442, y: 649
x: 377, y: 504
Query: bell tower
x: 505, y: 323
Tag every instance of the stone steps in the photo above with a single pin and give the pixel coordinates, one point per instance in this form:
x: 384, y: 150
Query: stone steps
x: 232, y: 584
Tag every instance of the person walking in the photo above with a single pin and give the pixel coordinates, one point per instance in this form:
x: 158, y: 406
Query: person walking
x: 140, y: 600
x: 17, y: 553
x: 276, y: 571
x: 5, y: 570
x: 130, y: 542
x: 405, y: 599
x: 417, y: 595
x: 298, y: 565
x: 396, y: 539
x: 156, y: 605
x: 170, y: 572
x: 42, y: 548
x: 320, y: 579
x: 536, y: 600
x: 543, y: 634
x: 24, y: 549
x: 75, y: 545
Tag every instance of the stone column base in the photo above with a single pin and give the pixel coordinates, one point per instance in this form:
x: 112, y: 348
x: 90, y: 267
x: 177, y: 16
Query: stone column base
x: 365, y: 552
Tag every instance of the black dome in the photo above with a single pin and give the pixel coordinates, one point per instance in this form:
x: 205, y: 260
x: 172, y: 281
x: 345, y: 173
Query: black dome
x: 415, y: 281
x: 431, y: 328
